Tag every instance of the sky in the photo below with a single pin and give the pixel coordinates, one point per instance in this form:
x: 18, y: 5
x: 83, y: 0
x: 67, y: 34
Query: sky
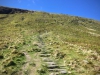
x: 82, y: 8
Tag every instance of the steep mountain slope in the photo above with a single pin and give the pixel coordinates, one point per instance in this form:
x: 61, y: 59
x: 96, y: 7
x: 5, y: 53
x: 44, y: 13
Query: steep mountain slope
x: 73, y: 42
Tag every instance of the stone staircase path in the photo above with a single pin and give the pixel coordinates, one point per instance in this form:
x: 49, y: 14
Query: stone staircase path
x: 52, y: 66
x: 49, y: 62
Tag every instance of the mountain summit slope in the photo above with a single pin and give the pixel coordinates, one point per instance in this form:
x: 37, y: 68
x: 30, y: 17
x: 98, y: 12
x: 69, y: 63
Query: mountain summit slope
x: 73, y: 43
x: 8, y: 10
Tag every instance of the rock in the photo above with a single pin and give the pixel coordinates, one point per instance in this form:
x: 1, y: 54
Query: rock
x: 50, y: 63
x: 63, y: 72
x: 52, y: 66
x: 51, y: 74
x: 46, y: 59
x: 45, y: 55
x: 85, y: 61
x: 69, y: 72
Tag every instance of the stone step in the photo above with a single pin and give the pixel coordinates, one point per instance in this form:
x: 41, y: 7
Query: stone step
x: 63, y: 71
x: 54, y: 73
x: 60, y: 71
x: 47, y: 59
x: 44, y: 52
x: 44, y: 55
x: 50, y: 63
x: 53, y: 70
x: 52, y: 66
x: 62, y: 67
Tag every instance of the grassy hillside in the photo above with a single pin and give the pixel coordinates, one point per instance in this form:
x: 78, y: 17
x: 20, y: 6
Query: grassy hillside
x: 73, y: 42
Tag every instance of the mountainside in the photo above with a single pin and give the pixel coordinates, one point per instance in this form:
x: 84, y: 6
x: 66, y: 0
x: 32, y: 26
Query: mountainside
x: 72, y: 42
x: 8, y: 10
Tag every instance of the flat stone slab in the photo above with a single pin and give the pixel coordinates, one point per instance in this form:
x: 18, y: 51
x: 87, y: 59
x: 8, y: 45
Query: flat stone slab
x: 54, y: 73
x: 47, y: 59
x: 50, y: 63
x: 52, y: 66
x: 61, y: 71
x: 44, y: 55
x: 44, y: 52
x: 53, y: 70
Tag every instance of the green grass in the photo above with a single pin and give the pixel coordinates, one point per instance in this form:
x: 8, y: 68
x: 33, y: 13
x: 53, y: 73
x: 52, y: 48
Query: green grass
x: 68, y: 35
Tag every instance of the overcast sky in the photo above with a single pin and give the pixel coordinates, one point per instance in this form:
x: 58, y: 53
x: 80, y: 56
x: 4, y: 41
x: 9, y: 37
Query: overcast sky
x: 83, y: 8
